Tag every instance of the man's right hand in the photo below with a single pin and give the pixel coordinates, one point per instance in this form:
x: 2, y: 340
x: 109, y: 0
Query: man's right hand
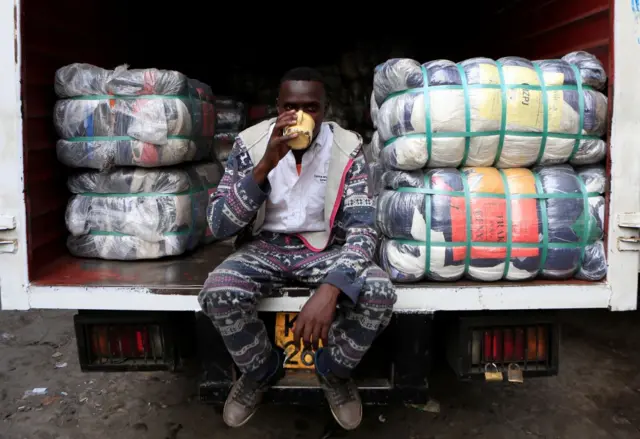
x: 277, y: 147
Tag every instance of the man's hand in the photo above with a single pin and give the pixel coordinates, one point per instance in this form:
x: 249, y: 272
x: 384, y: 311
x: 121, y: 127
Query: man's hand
x: 316, y: 317
x: 277, y: 147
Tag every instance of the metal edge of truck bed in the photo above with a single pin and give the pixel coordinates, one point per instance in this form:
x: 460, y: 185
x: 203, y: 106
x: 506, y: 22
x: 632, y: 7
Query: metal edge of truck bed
x: 411, y: 298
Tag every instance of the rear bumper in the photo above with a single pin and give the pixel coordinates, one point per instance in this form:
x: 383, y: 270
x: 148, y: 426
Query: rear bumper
x: 394, y: 370
x: 216, y: 393
x: 418, y: 298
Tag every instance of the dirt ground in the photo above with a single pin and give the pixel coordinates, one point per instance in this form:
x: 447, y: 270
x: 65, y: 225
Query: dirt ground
x: 596, y: 395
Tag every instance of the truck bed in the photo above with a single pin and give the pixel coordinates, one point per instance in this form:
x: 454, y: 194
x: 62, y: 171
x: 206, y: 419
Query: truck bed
x: 174, y: 283
x: 183, y: 274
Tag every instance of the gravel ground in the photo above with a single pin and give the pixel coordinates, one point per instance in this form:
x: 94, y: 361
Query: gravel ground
x: 596, y: 395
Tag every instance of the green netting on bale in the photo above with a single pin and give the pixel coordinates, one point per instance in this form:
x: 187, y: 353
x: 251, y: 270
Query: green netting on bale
x: 488, y: 223
x: 482, y: 112
x: 468, y: 133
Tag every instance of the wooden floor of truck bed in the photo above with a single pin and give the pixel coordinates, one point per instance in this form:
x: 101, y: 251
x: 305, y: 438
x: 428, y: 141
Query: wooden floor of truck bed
x: 188, y: 271
x: 186, y: 274
x: 172, y: 284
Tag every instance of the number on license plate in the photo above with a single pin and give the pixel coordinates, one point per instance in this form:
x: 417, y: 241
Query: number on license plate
x: 298, y: 356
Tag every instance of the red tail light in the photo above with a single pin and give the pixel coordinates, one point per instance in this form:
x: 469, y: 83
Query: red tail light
x: 536, y: 344
x: 509, y: 345
x: 503, y: 343
x: 498, y: 343
x: 509, y: 354
x: 126, y: 342
x: 519, y: 344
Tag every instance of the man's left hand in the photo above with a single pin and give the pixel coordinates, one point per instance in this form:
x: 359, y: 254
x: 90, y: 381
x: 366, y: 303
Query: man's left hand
x: 316, y: 316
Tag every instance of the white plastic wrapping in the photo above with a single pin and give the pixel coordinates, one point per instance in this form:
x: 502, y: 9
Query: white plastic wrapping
x: 231, y: 119
x: 223, y: 144
x: 140, y: 117
x: 373, y: 110
x: 230, y: 115
x: 486, y: 113
x: 135, y: 213
x: 373, y: 148
x: 376, y: 171
x: 547, y: 222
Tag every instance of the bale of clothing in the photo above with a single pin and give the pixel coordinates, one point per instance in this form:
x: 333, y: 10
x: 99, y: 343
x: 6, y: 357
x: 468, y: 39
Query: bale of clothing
x: 136, y: 213
x: 231, y: 118
x: 487, y: 224
x: 138, y: 117
x: 376, y: 171
x: 508, y: 113
x: 231, y: 115
x: 373, y: 148
x: 223, y: 144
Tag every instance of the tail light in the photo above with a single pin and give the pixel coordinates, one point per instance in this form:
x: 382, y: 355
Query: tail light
x: 124, y: 341
x: 511, y: 344
x: 529, y: 341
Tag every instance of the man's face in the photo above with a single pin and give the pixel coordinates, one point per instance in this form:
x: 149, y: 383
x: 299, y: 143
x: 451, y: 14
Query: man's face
x: 308, y: 96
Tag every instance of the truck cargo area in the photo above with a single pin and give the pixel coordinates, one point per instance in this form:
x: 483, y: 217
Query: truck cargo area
x: 139, y: 315
x: 197, y: 42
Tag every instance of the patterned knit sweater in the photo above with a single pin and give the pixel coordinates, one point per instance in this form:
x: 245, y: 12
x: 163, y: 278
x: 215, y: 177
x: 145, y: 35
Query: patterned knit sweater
x: 233, y: 208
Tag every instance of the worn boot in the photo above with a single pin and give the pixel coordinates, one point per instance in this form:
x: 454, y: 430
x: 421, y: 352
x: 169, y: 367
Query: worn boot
x: 246, y: 395
x: 343, y: 397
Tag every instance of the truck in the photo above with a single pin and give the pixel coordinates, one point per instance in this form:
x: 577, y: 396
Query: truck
x: 145, y: 315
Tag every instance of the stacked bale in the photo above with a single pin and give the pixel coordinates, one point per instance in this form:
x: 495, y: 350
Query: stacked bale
x: 507, y: 113
x: 140, y: 117
x: 136, y: 213
x: 455, y: 141
x: 146, y: 136
x: 230, y: 120
x: 488, y: 224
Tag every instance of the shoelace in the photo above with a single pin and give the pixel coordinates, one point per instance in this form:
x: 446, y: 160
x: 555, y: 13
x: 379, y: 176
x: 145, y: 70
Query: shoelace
x: 246, y: 392
x: 339, y: 390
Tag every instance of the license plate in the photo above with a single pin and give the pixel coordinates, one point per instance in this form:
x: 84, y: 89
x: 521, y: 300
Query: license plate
x: 298, y: 356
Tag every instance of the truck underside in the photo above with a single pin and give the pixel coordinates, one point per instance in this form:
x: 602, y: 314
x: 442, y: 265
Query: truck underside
x: 396, y: 369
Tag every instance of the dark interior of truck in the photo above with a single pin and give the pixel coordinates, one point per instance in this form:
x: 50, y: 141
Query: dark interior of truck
x: 198, y: 41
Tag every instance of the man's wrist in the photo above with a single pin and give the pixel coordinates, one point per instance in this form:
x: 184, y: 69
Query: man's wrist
x: 260, y: 172
x: 332, y: 290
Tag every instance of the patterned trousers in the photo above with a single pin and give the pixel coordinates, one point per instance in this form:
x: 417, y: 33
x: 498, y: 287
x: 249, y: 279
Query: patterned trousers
x: 231, y: 293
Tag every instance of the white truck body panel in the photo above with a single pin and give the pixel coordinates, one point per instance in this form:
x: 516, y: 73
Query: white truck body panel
x: 13, y: 233
x: 410, y: 299
x: 618, y: 293
x: 625, y: 157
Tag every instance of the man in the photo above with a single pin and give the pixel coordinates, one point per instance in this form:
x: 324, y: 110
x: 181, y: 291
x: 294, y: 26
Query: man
x: 305, y: 217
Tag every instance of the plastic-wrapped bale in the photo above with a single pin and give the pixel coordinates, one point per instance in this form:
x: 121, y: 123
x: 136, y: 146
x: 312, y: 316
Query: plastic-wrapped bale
x: 223, y: 144
x: 140, y: 117
x: 373, y: 148
x: 80, y: 79
x: 373, y: 110
x: 136, y: 213
x: 230, y: 115
x: 546, y: 222
x: 507, y: 113
x: 376, y: 171
x: 230, y: 120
